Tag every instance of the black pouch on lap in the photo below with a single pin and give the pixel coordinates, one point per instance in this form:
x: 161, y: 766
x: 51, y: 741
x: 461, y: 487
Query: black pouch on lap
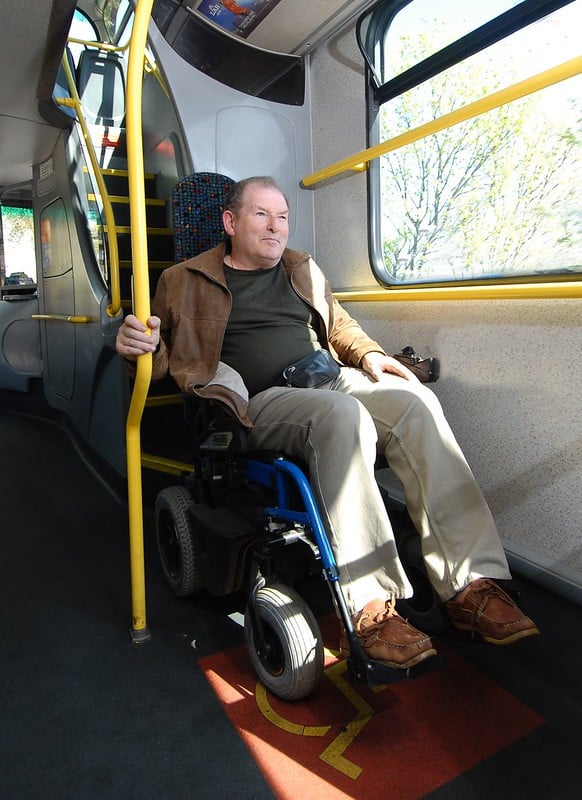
x: 311, y: 371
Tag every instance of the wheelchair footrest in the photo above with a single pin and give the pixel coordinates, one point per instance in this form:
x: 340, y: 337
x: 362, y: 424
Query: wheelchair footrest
x: 376, y: 673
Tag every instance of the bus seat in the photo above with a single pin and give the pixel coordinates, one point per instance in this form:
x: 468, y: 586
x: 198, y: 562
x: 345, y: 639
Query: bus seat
x: 197, y: 206
x: 101, y: 87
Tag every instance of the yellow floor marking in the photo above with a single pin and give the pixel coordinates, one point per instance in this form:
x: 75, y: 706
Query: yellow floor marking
x: 270, y: 714
x: 333, y: 754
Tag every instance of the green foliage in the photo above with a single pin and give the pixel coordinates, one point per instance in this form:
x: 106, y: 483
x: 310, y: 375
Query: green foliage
x: 17, y: 225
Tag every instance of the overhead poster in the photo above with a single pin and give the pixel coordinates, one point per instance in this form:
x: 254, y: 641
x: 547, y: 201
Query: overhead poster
x: 240, y: 18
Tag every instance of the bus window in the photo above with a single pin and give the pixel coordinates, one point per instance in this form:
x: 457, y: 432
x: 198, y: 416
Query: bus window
x: 81, y: 28
x: 116, y: 17
x: 498, y: 196
x: 17, y: 253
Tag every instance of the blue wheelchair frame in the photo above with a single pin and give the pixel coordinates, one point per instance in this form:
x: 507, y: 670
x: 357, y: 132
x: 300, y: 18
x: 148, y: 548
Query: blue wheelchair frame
x: 280, y: 474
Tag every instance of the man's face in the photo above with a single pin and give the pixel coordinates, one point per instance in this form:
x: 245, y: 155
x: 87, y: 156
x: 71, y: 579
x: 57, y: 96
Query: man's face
x: 259, y: 232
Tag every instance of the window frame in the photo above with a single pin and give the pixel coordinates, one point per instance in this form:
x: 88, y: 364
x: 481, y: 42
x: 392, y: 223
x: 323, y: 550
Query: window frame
x: 377, y: 21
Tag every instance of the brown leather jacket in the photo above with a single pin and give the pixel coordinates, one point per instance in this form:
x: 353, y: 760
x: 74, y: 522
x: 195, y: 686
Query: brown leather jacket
x: 194, y: 303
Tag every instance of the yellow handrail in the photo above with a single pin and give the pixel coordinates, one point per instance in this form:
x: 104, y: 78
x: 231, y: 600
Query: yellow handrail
x: 498, y: 291
x: 112, y: 48
x: 141, y: 289
x: 114, y: 308
x: 148, y: 66
x: 75, y: 318
x: 528, y: 86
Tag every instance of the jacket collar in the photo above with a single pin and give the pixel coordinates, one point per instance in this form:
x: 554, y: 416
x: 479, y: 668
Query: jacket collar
x: 210, y: 263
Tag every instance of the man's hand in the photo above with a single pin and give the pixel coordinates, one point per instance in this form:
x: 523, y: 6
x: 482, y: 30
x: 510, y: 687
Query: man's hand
x: 134, y: 338
x: 375, y: 364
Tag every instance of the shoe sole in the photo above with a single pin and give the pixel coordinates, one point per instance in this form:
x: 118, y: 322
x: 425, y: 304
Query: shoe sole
x: 491, y: 640
x: 411, y: 663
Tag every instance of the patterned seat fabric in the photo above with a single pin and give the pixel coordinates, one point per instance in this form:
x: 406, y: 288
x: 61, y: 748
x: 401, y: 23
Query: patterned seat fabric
x: 197, y: 206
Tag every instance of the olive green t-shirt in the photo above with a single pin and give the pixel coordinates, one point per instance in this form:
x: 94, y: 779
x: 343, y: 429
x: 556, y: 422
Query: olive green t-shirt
x: 269, y: 328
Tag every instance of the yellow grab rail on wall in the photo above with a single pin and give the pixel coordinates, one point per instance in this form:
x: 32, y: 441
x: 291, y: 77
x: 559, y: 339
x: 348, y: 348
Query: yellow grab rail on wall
x: 75, y: 318
x: 528, y: 86
x: 141, y: 291
x: 498, y: 291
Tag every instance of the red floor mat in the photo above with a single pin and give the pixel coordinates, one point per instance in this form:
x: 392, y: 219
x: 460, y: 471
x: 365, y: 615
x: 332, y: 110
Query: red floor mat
x: 349, y: 741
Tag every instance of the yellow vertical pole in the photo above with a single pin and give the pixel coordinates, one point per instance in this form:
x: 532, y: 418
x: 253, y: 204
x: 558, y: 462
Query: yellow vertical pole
x: 139, y: 629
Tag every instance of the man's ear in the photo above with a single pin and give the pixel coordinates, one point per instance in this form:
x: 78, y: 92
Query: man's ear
x: 227, y: 222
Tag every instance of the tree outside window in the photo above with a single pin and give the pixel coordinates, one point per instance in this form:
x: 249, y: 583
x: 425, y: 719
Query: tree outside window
x: 498, y: 195
x: 17, y: 261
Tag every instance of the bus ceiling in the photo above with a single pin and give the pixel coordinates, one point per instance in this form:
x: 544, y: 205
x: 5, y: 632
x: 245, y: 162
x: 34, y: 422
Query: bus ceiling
x: 32, y: 45
x: 290, y: 27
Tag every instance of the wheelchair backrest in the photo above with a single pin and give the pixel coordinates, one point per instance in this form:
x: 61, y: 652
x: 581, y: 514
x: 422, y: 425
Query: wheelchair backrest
x: 197, y: 206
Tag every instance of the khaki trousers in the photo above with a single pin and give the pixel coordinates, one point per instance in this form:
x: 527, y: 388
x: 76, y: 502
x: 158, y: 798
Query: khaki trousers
x: 338, y: 429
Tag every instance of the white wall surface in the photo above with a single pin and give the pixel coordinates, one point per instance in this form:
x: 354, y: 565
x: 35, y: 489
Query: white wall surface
x: 239, y: 136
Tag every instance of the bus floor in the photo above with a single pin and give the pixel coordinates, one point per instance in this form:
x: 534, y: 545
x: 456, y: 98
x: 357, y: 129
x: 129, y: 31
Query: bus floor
x: 86, y: 715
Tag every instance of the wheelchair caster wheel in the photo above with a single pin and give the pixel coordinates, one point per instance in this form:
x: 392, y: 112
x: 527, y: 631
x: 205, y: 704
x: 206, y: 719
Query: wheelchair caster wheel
x: 178, y: 547
x: 292, y: 663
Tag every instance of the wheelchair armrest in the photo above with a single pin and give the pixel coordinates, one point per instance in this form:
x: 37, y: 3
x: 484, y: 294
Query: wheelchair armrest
x: 215, y: 430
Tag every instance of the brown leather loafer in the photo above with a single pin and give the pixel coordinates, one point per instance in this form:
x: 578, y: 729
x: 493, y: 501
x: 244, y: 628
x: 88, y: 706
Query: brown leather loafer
x: 386, y: 637
x: 487, y: 610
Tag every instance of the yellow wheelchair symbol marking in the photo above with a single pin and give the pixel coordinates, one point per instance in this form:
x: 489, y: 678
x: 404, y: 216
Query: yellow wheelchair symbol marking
x: 271, y: 715
x: 333, y: 754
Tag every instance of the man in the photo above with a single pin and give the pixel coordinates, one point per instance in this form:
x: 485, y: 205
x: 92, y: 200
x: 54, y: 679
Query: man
x: 227, y: 323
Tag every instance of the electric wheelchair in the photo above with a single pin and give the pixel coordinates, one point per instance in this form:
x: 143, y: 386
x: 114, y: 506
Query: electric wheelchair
x: 249, y: 521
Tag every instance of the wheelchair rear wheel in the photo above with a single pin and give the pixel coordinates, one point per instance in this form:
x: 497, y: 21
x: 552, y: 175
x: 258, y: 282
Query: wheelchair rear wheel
x: 178, y: 547
x: 292, y: 665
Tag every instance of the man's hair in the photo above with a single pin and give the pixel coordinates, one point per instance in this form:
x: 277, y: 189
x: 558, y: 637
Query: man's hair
x: 234, y: 198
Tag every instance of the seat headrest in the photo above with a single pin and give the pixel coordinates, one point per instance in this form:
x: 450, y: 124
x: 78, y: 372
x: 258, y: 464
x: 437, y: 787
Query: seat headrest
x: 197, y: 206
